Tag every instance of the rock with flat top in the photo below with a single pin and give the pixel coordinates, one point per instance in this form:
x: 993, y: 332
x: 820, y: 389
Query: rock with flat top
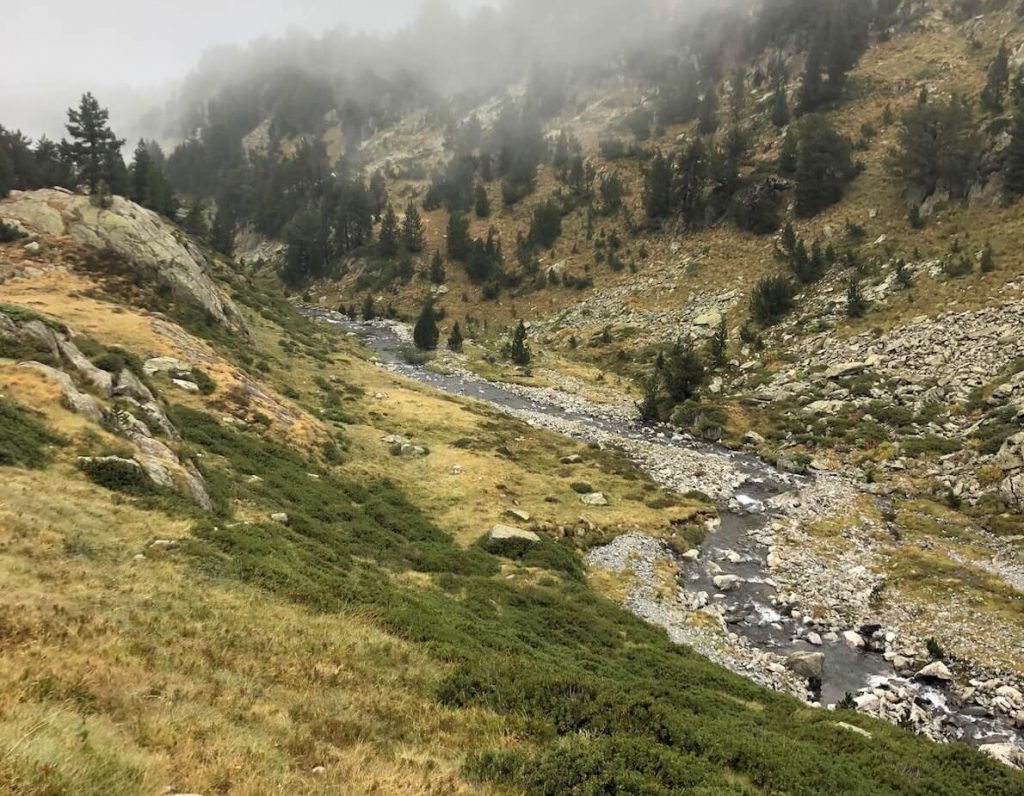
x: 504, y: 533
x: 845, y: 369
x: 165, y: 365
x: 1011, y: 454
x: 594, y: 499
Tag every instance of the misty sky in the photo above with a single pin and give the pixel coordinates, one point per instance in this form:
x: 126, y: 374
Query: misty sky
x: 122, y: 49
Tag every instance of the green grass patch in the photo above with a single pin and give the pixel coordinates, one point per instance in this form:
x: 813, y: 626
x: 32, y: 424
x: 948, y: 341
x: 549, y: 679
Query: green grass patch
x: 929, y: 445
x: 599, y: 701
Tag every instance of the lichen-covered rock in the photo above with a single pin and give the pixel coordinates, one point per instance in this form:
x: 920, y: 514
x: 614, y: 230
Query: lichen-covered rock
x: 72, y: 398
x: 136, y: 235
x: 100, y: 379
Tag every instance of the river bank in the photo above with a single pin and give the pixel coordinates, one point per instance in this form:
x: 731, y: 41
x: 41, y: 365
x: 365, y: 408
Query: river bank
x: 755, y: 597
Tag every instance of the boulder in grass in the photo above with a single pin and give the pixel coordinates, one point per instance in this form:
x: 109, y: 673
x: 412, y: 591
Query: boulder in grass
x: 504, y: 533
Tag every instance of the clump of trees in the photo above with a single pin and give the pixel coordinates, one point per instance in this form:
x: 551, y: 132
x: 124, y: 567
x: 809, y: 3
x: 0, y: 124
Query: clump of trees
x: 938, y: 147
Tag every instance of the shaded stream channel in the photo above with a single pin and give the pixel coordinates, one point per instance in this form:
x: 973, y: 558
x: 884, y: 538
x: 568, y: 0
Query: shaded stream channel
x: 750, y: 606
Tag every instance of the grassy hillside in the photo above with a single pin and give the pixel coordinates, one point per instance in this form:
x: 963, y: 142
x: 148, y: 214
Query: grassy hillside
x: 365, y: 642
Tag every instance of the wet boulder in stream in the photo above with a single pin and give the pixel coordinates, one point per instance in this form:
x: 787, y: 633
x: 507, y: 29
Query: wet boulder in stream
x: 810, y: 665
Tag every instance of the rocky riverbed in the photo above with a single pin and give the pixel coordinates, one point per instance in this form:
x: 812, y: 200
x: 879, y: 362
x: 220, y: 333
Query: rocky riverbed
x: 755, y: 596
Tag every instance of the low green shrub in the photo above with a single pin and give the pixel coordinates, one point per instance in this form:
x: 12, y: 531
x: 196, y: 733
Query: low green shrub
x: 24, y: 438
x: 118, y: 475
x: 558, y: 556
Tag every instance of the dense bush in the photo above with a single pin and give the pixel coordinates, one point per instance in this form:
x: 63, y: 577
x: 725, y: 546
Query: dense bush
x: 10, y: 233
x: 772, y: 298
x: 118, y: 475
x: 547, y: 554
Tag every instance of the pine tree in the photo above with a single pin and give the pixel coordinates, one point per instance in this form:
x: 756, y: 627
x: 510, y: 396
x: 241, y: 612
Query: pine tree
x: 937, y: 145
x: 789, y: 241
x: 658, y: 187
x: 519, y: 350
x: 369, y: 309
x: 718, y: 346
x: 459, y: 242
x: 546, y: 223
x: 222, y: 232
x: 195, y: 222
x: 455, y: 339
x: 988, y: 263
x: 94, y: 149
x: 1014, y: 154
x: 437, y: 273
x: 389, y: 232
x: 856, y: 303
x: 378, y: 193
x: 647, y: 408
x: 812, y: 90
x: 483, y: 204
x: 683, y: 372
x: 141, y: 175
x: 147, y: 184
x: 708, y: 114
x: 425, y: 334
x: 824, y: 165
x: 998, y: 81
x: 788, y: 153
x: 413, y: 235
x: 738, y: 93
x: 780, y: 104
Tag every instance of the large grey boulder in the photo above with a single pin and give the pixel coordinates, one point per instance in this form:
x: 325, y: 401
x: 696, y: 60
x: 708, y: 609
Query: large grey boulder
x: 935, y: 671
x: 727, y: 582
x: 42, y: 333
x: 1012, y: 490
x: 504, y: 533
x: 129, y: 385
x: 1011, y: 454
x: 845, y: 369
x: 138, y: 238
x: 807, y: 664
x: 594, y: 499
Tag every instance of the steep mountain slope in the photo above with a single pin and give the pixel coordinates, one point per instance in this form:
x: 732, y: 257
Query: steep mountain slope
x: 327, y: 619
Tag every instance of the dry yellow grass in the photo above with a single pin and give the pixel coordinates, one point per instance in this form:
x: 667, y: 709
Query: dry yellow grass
x: 143, y: 674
